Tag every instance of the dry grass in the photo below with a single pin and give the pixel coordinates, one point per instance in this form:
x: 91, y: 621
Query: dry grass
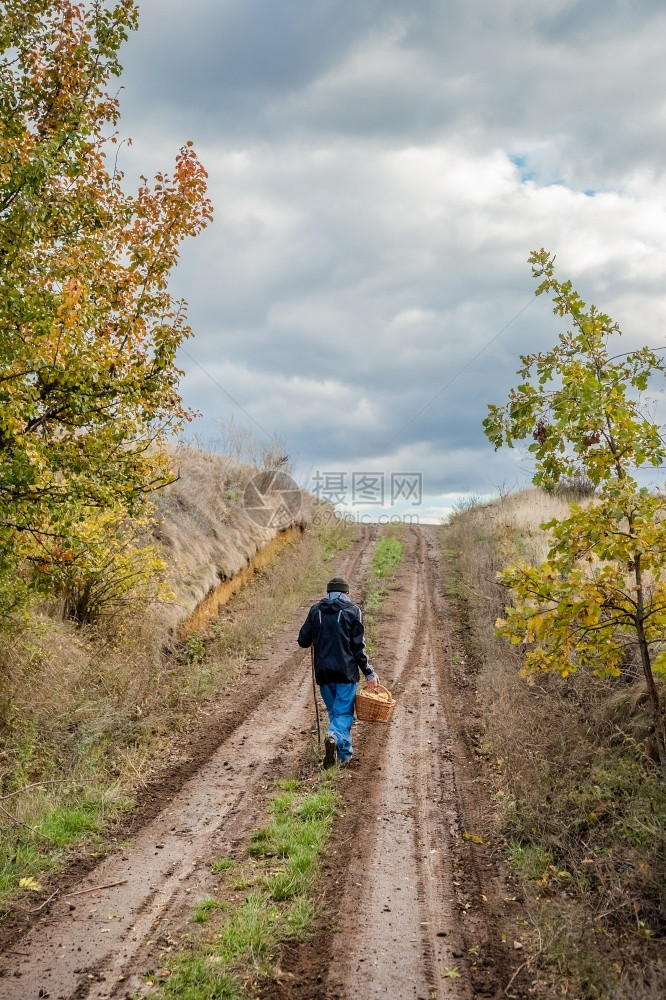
x: 203, y: 527
x: 514, y: 524
x: 92, y: 709
x: 580, y: 800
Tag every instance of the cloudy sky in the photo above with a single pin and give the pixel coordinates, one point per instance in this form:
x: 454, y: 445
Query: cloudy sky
x: 380, y: 170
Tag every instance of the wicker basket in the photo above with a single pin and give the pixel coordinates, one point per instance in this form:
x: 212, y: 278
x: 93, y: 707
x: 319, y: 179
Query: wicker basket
x: 369, y: 709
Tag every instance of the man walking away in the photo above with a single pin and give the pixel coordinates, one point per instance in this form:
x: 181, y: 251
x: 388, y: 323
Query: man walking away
x: 334, y: 626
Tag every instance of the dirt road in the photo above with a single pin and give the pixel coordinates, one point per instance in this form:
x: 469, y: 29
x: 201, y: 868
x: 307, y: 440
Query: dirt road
x: 413, y: 902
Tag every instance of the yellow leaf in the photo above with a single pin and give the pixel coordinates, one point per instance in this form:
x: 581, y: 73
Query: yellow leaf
x: 473, y: 837
x: 30, y: 883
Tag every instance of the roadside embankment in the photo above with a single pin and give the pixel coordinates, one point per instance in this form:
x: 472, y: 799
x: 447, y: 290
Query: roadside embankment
x: 209, y: 541
x: 90, y: 713
x: 579, y: 798
x: 209, y: 607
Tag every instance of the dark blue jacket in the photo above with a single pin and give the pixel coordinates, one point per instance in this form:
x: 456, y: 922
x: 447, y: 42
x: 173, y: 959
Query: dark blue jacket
x: 335, y: 628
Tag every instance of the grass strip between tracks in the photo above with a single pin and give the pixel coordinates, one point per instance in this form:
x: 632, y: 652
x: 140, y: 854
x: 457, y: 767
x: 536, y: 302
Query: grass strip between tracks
x: 238, y: 942
x: 389, y: 553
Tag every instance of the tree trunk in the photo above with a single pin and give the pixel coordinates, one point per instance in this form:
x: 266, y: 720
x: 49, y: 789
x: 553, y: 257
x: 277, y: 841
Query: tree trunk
x: 653, y: 694
x: 659, y: 728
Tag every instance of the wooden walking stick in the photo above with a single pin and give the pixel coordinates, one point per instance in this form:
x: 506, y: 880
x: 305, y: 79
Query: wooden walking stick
x: 314, y: 692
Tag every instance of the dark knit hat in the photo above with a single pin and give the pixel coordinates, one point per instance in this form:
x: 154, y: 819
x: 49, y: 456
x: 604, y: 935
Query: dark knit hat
x: 337, y: 584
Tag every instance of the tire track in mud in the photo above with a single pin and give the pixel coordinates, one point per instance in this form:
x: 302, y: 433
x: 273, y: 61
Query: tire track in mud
x: 92, y: 946
x: 412, y: 907
x: 404, y: 918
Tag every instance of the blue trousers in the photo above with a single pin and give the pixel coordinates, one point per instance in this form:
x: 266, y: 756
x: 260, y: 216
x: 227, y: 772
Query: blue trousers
x: 339, y: 701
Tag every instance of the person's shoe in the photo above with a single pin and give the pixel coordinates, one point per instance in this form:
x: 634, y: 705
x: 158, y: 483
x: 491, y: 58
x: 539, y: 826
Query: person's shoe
x: 350, y: 762
x: 330, y: 749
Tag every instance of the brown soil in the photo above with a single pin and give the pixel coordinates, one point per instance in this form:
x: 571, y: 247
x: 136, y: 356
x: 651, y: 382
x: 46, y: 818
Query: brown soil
x: 413, y: 905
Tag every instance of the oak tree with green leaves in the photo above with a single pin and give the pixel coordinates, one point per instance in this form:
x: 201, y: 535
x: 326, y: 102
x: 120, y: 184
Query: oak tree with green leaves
x: 602, y: 588
x: 88, y: 328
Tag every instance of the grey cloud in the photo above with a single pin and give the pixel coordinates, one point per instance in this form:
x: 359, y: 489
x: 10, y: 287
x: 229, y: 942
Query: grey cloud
x: 247, y: 50
x: 380, y: 171
x: 575, y: 87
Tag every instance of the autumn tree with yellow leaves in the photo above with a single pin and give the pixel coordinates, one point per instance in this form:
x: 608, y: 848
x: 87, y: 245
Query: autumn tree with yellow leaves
x: 602, y: 588
x: 88, y: 328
